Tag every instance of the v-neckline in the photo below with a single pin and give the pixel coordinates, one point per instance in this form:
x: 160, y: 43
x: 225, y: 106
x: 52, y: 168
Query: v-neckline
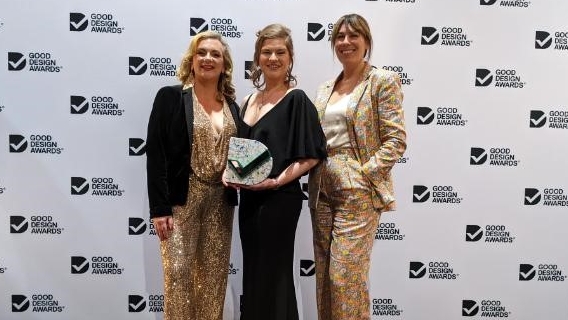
x: 267, y: 112
x: 215, y: 132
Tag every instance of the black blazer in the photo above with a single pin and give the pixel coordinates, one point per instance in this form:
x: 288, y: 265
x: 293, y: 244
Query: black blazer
x: 168, y: 149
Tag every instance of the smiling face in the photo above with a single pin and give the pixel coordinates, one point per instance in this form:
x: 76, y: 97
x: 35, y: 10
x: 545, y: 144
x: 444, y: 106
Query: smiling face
x: 350, y: 46
x: 274, y: 59
x: 208, y: 61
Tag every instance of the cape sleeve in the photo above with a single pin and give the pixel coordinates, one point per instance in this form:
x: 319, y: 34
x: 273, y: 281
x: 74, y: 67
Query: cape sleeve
x: 305, y: 138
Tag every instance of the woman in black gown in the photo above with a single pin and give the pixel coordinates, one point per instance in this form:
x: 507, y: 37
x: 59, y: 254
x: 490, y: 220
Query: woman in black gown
x: 286, y: 121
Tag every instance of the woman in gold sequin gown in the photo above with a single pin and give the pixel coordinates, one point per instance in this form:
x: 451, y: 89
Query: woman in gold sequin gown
x: 187, y: 143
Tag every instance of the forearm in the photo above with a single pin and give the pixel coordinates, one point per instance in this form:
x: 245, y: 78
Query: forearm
x: 387, y: 156
x: 295, y: 170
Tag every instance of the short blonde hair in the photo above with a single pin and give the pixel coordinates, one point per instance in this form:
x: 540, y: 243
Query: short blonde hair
x: 225, y: 86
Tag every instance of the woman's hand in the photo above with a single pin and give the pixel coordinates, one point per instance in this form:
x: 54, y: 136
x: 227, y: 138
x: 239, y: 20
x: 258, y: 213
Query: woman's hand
x: 164, y: 226
x: 228, y: 184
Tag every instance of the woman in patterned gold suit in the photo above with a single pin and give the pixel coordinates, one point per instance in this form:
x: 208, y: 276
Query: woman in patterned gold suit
x: 362, y: 117
x: 186, y: 147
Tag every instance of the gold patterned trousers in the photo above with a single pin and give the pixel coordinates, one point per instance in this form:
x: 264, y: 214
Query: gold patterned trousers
x: 196, y: 256
x: 344, y: 224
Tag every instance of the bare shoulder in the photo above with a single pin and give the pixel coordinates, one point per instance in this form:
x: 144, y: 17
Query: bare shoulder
x: 248, y: 99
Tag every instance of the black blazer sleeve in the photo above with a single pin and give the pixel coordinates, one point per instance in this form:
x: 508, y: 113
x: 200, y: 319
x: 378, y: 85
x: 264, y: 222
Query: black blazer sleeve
x: 230, y: 193
x: 157, y: 155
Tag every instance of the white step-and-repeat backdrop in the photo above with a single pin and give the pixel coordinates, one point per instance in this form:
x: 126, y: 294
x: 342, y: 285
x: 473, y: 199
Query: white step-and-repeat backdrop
x: 480, y: 232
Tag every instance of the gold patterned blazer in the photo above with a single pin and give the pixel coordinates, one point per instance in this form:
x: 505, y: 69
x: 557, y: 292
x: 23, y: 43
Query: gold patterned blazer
x: 375, y: 124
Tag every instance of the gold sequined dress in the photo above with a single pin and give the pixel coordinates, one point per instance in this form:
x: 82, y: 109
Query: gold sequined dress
x: 196, y: 256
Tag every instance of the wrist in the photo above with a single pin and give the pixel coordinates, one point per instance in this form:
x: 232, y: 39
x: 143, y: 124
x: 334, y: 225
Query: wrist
x: 276, y: 183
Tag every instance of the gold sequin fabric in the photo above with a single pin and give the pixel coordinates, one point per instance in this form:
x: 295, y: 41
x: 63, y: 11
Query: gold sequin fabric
x: 209, y: 149
x: 196, y: 256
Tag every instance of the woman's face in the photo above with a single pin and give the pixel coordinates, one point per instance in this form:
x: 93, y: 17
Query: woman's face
x: 208, y: 62
x: 274, y: 59
x: 350, y: 45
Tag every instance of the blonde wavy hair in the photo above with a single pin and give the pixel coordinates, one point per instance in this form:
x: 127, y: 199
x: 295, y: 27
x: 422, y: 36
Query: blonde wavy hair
x: 272, y: 31
x: 225, y: 86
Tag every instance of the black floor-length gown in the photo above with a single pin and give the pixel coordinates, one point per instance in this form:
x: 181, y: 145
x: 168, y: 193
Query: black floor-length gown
x: 268, y: 219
